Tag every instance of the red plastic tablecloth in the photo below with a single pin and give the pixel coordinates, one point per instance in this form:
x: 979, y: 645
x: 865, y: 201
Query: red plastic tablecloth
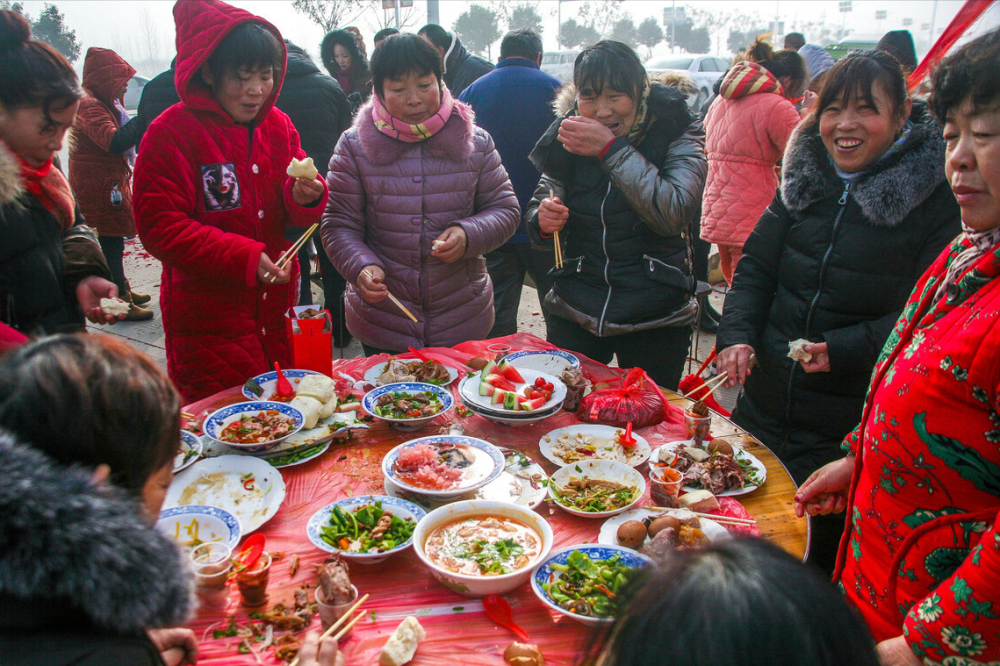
x: 458, y: 631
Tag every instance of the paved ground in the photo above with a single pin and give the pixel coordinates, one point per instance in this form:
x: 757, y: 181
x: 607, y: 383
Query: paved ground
x: 143, y: 272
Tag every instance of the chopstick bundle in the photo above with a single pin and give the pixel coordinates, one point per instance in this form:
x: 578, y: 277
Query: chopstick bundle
x: 555, y: 237
x: 336, y: 625
x: 292, y: 251
x: 394, y: 299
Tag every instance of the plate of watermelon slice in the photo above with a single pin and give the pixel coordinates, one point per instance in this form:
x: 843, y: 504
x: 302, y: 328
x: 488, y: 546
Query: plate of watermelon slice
x: 507, y: 390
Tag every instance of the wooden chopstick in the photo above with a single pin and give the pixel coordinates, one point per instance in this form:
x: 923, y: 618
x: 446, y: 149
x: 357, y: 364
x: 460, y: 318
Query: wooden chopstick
x: 287, y: 255
x: 340, y: 621
x: 555, y: 237
x: 709, y: 516
x: 394, y: 299
x: 706, y: 383
x: 348, y: 626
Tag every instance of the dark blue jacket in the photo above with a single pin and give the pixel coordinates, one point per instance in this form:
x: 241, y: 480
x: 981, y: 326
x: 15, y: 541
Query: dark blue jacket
x: 514, y: 104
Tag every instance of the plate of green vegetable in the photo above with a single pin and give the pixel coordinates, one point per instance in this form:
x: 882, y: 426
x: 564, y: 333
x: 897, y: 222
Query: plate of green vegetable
x: 596, y: 488
x: 365, y: 529
x: 582, y: 582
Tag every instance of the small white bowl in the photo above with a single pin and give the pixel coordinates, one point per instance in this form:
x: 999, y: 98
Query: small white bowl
x: 601, y: 470
x: 400, y: 508
x: 480, y: 586
x: 370, y: 399
x: 217, y: 422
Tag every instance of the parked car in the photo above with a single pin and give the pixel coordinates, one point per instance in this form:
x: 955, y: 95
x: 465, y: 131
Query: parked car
x: 559, y: 64
x: 134, y: 92
x: 705, y: 70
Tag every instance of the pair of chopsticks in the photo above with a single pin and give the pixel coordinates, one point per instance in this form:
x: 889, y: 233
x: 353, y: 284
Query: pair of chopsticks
x: 555, y: 237
x: 718, y: 380
x: 393, y: 298
x: 731, y: 520
x: 336, y: 625
x: 292, y: 251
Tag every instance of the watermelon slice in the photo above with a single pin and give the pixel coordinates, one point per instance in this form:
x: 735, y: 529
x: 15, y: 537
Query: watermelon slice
x: 510, y: 400
x: 490, y: 369
x: 500, y: 383
x: 498, y: 395
x: 509, y: 372
x: 533, y: 404
x: 486, y: 389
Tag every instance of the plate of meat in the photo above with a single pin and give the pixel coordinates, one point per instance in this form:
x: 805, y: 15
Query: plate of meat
x: 398, y: 370
x: 718, y: 466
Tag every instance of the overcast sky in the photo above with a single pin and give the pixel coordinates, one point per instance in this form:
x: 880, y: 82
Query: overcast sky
x: 142, y: 30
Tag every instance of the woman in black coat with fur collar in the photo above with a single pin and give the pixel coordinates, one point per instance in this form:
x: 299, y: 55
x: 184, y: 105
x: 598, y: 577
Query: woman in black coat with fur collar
x: 863, y: 210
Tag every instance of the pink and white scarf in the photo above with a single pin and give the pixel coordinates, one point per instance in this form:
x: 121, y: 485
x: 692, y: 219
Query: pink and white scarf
x: 404, y: 131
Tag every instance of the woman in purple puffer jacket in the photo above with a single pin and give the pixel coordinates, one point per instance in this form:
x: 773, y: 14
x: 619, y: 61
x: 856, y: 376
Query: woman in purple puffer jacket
x: 418, y: 196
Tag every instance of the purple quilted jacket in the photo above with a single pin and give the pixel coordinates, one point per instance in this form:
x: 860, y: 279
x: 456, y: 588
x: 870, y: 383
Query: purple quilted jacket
x: 390, y: 200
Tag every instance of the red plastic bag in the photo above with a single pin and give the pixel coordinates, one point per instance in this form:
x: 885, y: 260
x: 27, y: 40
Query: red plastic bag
x: 637, y: 400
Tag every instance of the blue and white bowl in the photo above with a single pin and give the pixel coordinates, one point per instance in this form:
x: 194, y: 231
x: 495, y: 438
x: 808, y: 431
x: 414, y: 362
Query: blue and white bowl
x: 269, y: 382
x: 486, y: 454
x: 195, y: 524
x: 400, y: 508
x: 190, y: 450
x: 217, y: 422
x: 444, y: 395
x: 552, y: 361
x: 596, y: 552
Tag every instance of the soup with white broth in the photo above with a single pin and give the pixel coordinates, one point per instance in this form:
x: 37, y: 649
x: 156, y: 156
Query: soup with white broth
x: 483, y: 545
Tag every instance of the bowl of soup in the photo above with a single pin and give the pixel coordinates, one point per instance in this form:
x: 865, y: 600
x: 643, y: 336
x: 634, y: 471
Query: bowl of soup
x: 481, y: 547
x: 443, y: 466
x: 255, y: 426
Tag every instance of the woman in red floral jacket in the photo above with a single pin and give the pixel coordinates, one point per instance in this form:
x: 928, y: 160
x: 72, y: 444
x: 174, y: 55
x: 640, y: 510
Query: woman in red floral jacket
x: 212, y: 200
x: 921, y: 555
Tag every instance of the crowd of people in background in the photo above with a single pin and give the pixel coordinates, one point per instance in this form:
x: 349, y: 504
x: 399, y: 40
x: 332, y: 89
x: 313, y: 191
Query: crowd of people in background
x: 848, y: 214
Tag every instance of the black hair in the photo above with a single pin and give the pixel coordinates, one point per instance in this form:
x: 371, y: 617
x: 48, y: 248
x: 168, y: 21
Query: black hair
x: 400, y: 55
x: 795, y: 40
x: 523, y: 43
x: 609, y: 63
x: 971, y: 72
x: 739, y: 602
x: 92, y: 400
x: 384, y: 33
x: 250, y: 46
x: 349, y: 41
x: 437, y: 35
x: 856, y: 75
x: 32, y: 73
x: 789, y: 63
x: 899, y: 43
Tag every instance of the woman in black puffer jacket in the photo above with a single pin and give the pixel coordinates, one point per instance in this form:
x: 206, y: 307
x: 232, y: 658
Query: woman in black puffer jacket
x: 622, y: 176
x: 863, y: 210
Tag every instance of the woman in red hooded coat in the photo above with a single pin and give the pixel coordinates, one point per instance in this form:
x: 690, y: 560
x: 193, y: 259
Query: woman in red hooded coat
x: 212, y: 200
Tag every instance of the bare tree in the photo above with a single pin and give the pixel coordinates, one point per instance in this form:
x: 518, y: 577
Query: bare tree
x: 602, y: 15
x: 380, y: 18
x: 331, y: 14
x: 150, y: 35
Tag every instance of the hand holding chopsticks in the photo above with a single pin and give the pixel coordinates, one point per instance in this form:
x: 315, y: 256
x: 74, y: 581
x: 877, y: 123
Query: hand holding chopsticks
x: 555, y: 234
x: 291, y: 252
x: 718, y: 381
x: 371, y: 276
x: 336, y: 625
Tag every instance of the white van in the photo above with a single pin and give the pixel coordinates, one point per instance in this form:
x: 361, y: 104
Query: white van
x: 559, y: 64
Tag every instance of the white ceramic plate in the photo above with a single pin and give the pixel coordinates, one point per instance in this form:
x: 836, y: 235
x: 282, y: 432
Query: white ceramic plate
x: 514, y: 420
x: 552, y: 361
x: 269, y: 382
x: 522, y: 482
x: 372, y: 374
x: 191, y: 526
x: 488, y: 456
x: 604, y: 470
x: 738, y: 452
x: 400, y: 508
x: 191, y: 448
x: 469, y: 389
x: 634, y: 457
x: 219, y: 482
x: 609, y: 530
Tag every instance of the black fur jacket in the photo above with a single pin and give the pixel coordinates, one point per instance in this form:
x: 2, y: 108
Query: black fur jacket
x: 81, y: 573
x: 833, y: 264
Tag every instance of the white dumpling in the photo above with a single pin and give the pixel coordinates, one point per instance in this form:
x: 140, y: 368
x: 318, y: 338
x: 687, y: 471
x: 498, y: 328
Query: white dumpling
x: 310, y: 408
x: 320, y: 387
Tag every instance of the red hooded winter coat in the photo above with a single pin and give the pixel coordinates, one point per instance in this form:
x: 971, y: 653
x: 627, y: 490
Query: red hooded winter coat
x: 93, y: 171
x: 210, y: 196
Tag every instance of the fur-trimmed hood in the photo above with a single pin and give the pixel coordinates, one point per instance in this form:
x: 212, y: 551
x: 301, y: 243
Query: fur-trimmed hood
x: 11, y: 182
x: 452, y: 142
x: 887, y: 193
x: 64, y: 542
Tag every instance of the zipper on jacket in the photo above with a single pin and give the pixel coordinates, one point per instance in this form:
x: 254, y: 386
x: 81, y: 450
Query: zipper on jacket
x: 842, y: 202
x: 607, y: 262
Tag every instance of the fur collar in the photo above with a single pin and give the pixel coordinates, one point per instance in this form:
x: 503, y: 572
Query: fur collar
x: 11, y: 183
x: 452, y: 142
x: 887, y: 194
x: 64, y: 541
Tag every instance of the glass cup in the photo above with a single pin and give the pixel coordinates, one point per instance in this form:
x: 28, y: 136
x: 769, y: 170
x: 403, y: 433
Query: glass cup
x: 330, y: 613
x: 498, y: 350
x: 253, y: 582
x: 697, y: 427
x: 665, y: 486
x: 212, y: 565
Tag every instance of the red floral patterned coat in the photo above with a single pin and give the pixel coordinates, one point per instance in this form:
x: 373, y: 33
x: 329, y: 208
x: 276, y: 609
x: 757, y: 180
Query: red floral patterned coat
x: 921, y: 555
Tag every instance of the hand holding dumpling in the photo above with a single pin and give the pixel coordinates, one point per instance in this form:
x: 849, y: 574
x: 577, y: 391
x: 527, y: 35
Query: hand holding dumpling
x: 307, y: 188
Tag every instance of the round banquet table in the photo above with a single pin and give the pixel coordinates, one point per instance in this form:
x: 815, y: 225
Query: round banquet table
x: 458, y: 631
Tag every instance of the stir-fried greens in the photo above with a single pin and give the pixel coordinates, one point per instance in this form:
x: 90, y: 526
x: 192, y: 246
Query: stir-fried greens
x: 403, y: 405
x: 594, y: 495
x: 367, y: 529
x: 588, y: 587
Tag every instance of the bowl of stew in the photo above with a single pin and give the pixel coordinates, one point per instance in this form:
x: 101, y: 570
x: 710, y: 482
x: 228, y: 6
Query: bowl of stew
x: 407, y: 406
x: 253, y: 427
x: 481, y: 547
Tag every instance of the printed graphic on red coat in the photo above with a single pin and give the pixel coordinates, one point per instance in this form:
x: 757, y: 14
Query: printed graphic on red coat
x: 220, y: 187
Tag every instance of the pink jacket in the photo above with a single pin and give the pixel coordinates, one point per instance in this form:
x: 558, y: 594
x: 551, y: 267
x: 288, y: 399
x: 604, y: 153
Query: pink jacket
x: 746, y: 130
x: 390, y: 200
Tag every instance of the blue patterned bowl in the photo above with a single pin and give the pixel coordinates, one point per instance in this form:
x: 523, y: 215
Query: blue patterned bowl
x: 400, y: 508
x: 195, y: 524
x: 551, y: 361
x: 217, y: 422
x: 492, y: 453
x: 443, y: 394
x: 544, y: 572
